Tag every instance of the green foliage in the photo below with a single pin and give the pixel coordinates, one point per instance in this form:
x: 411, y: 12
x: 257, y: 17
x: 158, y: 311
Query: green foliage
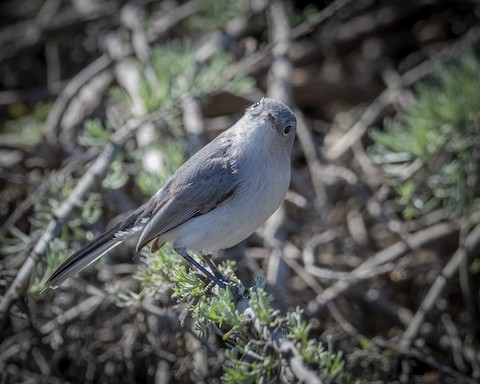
x: 177, y: 72
x: 253, y: 360
x: 95, y: 134
x: 433, y: 148
x: 45, y: 206
x: 253, y: 338
x: 56, y: 253
x: 260, y: 303
x: 475, y: 267
x: 220, y: 310
x: 169, y: 62
x: 249, y: 367
x: 299, y: 331
x: 212, y: 15
x: 164, y: 270
x: 27, y: 126
x: 330, y: 363
x: 116, y: 176
x: 60, y: 188
x: 17, y: 241
x: 172, y: 158
x: 300, y: 16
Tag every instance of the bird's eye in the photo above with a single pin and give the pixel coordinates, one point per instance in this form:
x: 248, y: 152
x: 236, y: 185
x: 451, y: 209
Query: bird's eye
x: 257, y: 104
x: 287, y: 130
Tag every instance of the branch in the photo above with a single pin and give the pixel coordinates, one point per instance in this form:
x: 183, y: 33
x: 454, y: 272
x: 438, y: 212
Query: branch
x: 94, y: 174
x: 388, y: 255
x: 471, y: 243
x: 375, y: 109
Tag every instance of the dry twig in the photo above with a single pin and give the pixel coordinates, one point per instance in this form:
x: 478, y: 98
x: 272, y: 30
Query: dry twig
x: 388, y: 255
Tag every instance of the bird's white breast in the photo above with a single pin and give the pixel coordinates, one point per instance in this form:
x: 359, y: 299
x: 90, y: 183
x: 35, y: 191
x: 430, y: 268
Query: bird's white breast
x: 263, y: 171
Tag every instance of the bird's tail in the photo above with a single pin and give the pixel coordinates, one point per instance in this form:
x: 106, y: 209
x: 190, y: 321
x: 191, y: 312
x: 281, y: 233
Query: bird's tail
x: 93, y: 251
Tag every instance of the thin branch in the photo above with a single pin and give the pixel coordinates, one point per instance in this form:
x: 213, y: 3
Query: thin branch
x: 315, y: 166
x: 429, y: 360
x: 383, y: 257
x: 72, y: 89
x: 251, y: 62
x: 86, y: 306
x: 279, y: 87
x: 193, y: 123
x: 376, y: 108
x: 96, y: 172
x: 282, y: 345
x: 471, y: 242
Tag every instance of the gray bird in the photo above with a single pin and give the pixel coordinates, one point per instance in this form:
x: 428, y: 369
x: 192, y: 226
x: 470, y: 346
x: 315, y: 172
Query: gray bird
x: 216, y: 199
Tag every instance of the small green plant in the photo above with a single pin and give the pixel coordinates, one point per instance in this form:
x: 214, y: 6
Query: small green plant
x: 212, y: 15
x: 59, y: 187
x: 173, y: 156
x: 27, y: 125
x: 164, y: 271
x: 254, y: 336
x: 177, y: 72
x: 433, y: 148
x: 95, y: 134
x: 301, y: 15
x: 116, y: 177
x: 56, y: 253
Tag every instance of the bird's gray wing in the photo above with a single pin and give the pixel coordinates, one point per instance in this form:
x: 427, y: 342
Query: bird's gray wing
x: 205, y: 181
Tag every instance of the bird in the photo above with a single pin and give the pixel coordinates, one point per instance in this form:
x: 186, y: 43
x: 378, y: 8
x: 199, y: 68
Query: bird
x: 215, y: 200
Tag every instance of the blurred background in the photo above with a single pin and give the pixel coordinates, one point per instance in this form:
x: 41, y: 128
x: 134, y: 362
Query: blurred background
x: 377, y: 241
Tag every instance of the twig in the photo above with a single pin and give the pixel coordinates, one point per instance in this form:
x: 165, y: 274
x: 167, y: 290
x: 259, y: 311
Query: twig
x: 281, y: 344
x: 471, y: 242
x: 40, y: 190
x: 314, y: 164
x: 357, y: 227
x: 20, y: 284
x: 455, y: 341
x: 312, y: 283
x: 168, y: 20
x: 308, y: 25
x: 429, y: 360
x: 193, y: 123
x: 281, y: 67
x: 278, y: 87
x: 328, y: 274
x: 172, y: 318
x: 101, y: 64
x: 95, y: 173
x: 385, y: 256
x: 296, y: 363
x: 87, y: 306
x: 374, y: 110
x: 370, y: 172
x: 248, y: 64
x: 69, y: 92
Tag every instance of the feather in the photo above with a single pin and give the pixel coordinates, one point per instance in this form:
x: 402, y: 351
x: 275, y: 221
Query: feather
x: 96, y: 249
